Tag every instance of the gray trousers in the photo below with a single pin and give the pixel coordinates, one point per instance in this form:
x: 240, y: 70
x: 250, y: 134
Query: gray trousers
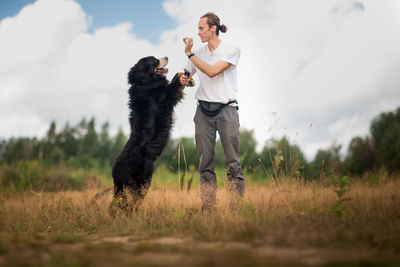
x: 227, y: 125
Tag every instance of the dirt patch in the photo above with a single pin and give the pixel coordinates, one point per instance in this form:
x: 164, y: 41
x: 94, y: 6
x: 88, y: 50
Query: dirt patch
x: 130, y: 250
x: 170, y: 250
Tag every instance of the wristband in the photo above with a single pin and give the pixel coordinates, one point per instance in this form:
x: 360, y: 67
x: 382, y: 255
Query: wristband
x: 192, y: 54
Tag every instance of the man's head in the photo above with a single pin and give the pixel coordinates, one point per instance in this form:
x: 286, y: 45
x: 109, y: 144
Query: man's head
x: 209, y: 27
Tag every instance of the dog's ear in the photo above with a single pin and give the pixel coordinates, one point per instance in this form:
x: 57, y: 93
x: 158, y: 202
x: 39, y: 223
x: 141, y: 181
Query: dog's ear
x: 135, y: 73
x: 143, y: 71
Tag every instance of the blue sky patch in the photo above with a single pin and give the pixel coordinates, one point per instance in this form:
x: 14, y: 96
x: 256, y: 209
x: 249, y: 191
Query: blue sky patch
x: 148, y: 17
x: 358, y: 5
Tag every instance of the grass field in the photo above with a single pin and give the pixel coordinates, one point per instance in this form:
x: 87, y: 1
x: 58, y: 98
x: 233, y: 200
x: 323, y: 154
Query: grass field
x: 289, y: 223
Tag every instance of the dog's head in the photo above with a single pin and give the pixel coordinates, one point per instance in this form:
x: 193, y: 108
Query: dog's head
x: 149, y: 72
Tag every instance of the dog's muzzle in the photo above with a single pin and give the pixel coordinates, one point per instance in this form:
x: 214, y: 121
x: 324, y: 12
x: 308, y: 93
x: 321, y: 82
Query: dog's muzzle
x: 161, y: 67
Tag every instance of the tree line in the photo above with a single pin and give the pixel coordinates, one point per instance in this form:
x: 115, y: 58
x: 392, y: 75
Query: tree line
x: 85, y: 146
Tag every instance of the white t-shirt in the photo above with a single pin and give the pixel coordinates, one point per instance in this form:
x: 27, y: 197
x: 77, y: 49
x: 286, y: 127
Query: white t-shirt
x: 223, y: 87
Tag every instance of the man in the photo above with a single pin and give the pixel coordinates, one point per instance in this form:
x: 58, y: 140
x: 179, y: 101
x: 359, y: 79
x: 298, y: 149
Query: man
x: 215, y: 64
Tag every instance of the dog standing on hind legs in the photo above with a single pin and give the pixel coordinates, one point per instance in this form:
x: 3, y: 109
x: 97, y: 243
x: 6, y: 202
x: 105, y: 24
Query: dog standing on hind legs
x: 152, y: 99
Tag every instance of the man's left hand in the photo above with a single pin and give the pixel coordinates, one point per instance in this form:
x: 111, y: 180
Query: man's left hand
x: 189, y: 44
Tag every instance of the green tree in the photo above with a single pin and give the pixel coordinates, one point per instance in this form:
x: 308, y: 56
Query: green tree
x: 219, y: 156
x: 17, y: 149
x: 385, y: 131
x: 49, y: 144
x: 104, y: 146
x: 117, y: 144
x: 88, y: 147
x: 67, y: 141
x: 280, y: 157
x: 168, y: 157
x: 360, y: 156
x: 247, y: 146
x: 326, y: 162
x: 3, y: 149
x: 188, y: 145
x: 188, y: 151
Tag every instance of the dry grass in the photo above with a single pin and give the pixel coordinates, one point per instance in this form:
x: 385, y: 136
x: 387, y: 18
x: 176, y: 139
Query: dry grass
x: 281, y: 222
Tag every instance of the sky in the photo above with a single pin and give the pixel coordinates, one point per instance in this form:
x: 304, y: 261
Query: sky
x: 314, y: 71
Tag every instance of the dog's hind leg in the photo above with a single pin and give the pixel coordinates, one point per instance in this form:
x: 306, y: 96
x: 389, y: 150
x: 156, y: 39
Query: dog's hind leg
x: 120, y: 201
x: 140, y: 186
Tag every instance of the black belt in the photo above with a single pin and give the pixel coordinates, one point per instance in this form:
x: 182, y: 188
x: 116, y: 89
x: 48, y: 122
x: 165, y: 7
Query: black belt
x: 213, y: 108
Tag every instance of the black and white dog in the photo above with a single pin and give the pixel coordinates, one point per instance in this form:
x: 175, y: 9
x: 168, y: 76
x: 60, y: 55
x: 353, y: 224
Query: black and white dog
x: 152, y: 99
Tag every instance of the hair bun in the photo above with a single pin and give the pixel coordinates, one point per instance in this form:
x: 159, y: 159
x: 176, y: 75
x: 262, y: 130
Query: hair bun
x: 223, y: 28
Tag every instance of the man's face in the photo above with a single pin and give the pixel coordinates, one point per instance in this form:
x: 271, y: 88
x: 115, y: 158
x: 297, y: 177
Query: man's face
x: 205, y: 32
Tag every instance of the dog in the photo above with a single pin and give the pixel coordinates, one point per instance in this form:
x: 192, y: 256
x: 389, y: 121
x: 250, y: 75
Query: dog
x: 152, y: 99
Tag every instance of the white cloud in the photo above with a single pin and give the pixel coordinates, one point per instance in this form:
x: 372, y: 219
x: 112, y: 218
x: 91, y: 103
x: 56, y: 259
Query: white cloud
x: 346, y: 128
x: 332, y: 63
x: 319, y: 62
x: 52, y: 68
x: 38, y: 34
